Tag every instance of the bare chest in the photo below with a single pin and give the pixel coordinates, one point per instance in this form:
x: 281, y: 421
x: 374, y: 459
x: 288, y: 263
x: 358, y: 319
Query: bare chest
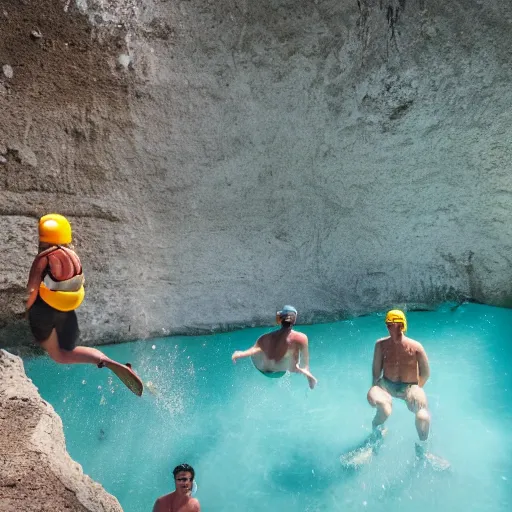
x: 399, y: 357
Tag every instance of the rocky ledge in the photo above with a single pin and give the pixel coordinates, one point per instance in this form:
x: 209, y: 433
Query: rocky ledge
x: 36, y: 472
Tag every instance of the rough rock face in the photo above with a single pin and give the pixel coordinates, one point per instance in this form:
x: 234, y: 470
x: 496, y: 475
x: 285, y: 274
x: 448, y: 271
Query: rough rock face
x: 36, y: 473
x: 219, y: 159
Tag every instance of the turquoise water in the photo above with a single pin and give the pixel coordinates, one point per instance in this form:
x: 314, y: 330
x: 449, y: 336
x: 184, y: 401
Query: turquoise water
x: 261, y: 444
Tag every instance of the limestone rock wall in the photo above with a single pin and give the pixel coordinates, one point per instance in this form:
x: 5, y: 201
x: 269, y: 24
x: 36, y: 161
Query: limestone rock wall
x: 220, y: 159
x: 36, y: 473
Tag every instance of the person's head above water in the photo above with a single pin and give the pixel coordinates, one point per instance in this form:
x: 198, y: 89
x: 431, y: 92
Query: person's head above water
x: 183, y: 468
x: 396, y: 316
x: 54, y: 229
x: 184, y: 479
x: 287, y: 316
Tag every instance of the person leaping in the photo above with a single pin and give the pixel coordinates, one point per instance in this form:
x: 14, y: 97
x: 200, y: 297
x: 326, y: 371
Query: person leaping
x: 282, y: 350
x: 55, y: 290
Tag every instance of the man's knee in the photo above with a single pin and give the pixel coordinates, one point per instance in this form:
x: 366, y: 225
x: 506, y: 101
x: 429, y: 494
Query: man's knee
x: 370, y: 396
x: 423, y: 424
x: 423, y: 415
x: 416, y: 399
x: 376, y: 396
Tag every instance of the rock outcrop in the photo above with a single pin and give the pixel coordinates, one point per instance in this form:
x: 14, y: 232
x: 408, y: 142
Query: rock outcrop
x: 36, y: 473
x: 220, y: 159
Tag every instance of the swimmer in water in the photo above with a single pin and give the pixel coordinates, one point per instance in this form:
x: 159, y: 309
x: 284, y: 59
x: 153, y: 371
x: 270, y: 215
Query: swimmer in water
x: 55, y: 290
x: 280, y: 351
x: 181, y: 499
x: 400, y: 370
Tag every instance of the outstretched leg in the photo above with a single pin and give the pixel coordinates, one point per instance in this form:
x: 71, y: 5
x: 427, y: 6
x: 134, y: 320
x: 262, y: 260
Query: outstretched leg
x: 382, y: 401
x: 76, y: 355
x: 92, y: 356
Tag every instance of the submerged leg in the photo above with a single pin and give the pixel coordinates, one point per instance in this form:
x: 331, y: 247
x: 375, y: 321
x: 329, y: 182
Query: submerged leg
x: 423, y: 424
x: 364, y: 451
x: 416, y: 401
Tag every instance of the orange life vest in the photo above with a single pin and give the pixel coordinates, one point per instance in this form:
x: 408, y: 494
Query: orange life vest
x: 62, y: 284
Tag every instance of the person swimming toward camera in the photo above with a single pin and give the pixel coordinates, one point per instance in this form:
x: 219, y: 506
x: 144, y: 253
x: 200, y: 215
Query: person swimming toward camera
x: 282, y: 350
x: 182, y: 499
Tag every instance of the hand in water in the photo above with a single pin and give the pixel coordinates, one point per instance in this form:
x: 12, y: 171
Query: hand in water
x: 235, y: 355
x: 311, y: 379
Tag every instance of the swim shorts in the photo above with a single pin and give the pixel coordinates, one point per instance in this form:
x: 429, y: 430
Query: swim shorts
x: 395, y: 389
x: 272, y: 375
x: 43, y: 319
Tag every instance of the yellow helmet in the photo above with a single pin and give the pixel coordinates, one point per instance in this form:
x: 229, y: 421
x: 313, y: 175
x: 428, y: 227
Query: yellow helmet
x: 54, y: 229
x: 395, y: 316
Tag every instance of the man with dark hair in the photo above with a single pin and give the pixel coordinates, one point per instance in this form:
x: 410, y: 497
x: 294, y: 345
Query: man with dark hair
x: 181, y: 499
x: 280, y: 351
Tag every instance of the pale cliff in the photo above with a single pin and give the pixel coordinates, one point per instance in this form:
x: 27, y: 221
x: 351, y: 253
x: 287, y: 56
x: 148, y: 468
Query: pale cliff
x: 220, y: 159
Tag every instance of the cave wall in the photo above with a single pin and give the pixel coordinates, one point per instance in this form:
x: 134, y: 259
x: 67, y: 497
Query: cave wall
x: 220, y: 159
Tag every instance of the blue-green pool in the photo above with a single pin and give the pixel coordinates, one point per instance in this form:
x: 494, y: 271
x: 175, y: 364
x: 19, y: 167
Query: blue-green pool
x: 261, y: 444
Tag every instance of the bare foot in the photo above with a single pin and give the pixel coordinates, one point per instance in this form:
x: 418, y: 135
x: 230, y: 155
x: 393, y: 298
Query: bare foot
x: 437, y: 463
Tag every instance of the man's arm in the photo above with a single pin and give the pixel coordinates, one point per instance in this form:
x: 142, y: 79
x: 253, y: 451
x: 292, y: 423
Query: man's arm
x: 239, y: 354
x: 34, y: 279
x: 423, y: 366
x: 304, y: 359
x: 377, y: 363
x: 304, y: 353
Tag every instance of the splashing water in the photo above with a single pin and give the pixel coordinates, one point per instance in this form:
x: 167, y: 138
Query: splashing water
x: 258, y: 444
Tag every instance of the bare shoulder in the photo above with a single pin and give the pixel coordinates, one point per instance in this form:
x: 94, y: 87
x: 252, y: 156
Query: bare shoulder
x: 381, y: 340
x: 416, y: 345
x: 299, y: 337
x: 193, y: 505
x: 162, y: 503
x: 263, y: 338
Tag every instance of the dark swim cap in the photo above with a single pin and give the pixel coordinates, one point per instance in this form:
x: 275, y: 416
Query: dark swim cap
x: 286, y: 311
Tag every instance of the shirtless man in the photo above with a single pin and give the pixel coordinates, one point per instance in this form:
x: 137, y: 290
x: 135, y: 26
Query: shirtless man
x: 180, y: 500
x: 280, y: 351
x: 400, y: 370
